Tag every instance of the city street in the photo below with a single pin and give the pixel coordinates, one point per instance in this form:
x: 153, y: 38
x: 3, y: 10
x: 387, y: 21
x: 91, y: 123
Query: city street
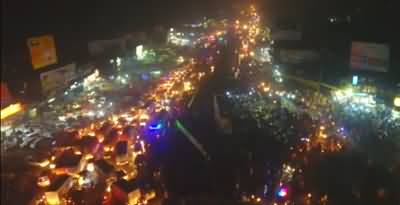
x: 221, y: 124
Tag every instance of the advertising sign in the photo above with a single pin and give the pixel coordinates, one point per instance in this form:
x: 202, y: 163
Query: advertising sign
x: 43, y: 51
x: 297, y: 56
x: 57, y: 79
x: 369, y: 56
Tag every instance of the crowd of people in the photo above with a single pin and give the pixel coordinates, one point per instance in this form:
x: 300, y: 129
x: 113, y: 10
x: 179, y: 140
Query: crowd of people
x: 357, y: 124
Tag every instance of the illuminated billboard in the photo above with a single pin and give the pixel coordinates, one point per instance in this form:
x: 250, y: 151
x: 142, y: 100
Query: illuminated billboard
x: 43, y: 51
x: 369, y: 56
x: 10, y: 110
x: 57, y: 79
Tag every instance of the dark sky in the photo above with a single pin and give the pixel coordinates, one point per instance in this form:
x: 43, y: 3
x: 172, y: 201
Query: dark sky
x: 24, y: 18
x: 82, y: 20
x: 21, y: 17
x: 74, y: 22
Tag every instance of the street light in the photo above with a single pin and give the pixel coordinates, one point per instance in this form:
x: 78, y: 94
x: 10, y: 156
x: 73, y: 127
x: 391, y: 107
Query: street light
x: 396, y: 101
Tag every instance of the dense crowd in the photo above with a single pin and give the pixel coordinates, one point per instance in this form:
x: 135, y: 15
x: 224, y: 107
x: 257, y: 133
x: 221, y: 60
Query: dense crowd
x: 358, y: 124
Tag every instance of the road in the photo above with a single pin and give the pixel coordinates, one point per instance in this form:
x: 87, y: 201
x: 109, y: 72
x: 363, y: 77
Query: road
x: 271, y: 155
x: 187, y: 173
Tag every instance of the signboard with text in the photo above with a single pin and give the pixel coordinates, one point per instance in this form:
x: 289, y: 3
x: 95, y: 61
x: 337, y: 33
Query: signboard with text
x: 57, y: 79
x: 369, y: 56
x: 42, y: 50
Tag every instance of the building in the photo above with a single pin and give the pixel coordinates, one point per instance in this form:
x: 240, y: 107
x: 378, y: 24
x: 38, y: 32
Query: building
x: 69, y: 163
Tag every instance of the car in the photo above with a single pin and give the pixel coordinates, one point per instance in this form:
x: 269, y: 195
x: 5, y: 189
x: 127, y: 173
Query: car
x: 43, y: 181
x: 26, y: 141
x: 34, y: 142
x: 32, y: 132
x: 46, y: 134
x: 121, y: 152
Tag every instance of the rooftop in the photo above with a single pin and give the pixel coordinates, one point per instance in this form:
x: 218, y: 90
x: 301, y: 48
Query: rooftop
x: 104, y: 166
x: 68, y: 159
x: 58, y: 182
x: 127, y: 186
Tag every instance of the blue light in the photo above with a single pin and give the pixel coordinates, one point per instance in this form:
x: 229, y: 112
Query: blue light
x: 282, y: 192
x: 355, y: 80
x: 157, y: 126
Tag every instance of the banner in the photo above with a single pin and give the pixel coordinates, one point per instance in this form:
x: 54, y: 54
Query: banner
x: 6, y: 97
x: 298, y: 56
x: 43, y: 51
x: 369, y: 56
x: 57, y: 79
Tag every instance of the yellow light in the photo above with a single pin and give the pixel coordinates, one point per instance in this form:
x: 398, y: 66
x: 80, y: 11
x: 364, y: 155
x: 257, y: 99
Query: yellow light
x: 44, y: 163
x: 43, y: 183
x: 88, y: 156
x: 258, y: 199
x: 52, y: 198
x: 396, y: 101
x: 144, y: 116
x: 180, y: 59
x: 309, y: 195
x: 52, y: 166
x: 90, y: 167
x: 10, y: 110
x: 81, y: 181
x: 349, y: 91
x: 187, y: 86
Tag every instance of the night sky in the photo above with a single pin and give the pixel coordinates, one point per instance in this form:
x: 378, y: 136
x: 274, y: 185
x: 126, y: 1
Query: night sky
x: 61, y: 16
x: 75, y: 22
x: 23, y: 18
